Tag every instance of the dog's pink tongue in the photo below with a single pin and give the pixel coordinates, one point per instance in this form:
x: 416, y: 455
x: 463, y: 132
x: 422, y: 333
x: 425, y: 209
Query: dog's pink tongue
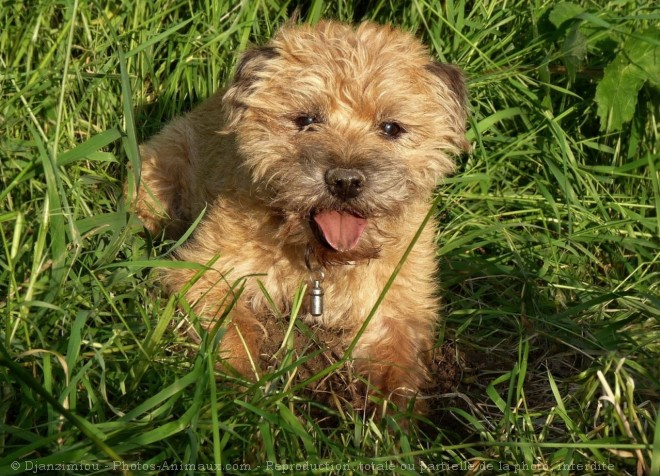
x: 341, y: 230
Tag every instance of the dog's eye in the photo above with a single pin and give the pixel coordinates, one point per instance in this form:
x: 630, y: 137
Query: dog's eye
x: 304, y: 122
x: 391, y: 129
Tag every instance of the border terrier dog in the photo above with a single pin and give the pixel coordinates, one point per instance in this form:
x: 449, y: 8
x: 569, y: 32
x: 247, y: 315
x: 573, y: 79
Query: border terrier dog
x: 319, y: 159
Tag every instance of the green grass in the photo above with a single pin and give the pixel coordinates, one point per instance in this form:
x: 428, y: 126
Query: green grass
x: 549, y: 251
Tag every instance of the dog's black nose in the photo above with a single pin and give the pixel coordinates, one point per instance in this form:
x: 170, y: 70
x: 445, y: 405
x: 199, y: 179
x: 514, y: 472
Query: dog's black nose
x: 344, y: 183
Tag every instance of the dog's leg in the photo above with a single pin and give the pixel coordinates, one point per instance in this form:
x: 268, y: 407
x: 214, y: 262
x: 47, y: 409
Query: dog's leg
x: 239, y: 348
x: 394, y: 360
x: 166, y: 194
x: 394, y: 352
x: 213, y: 297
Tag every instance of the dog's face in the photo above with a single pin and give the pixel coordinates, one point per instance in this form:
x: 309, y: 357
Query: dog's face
x: 340, y: 127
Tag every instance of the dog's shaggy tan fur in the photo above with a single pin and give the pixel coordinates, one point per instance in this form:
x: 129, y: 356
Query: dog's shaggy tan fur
x: 330, y: 138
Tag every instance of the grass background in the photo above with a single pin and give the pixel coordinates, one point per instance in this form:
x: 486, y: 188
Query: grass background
x: 548, y: 249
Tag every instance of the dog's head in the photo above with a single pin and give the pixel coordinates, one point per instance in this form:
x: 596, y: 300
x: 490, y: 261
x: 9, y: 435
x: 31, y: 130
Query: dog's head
x: 340, y: 126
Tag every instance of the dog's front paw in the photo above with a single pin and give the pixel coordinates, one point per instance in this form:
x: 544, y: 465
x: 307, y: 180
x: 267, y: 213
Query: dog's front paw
x: 393, y: 386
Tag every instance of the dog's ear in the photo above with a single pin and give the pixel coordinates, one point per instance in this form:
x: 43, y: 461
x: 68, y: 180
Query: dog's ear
x: 453, y: 80
x: 453, y: 77
x: 251, y: 62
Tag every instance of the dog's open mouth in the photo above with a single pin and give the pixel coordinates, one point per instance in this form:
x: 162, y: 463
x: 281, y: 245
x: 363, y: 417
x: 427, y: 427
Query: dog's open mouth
x: 340, y: 231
